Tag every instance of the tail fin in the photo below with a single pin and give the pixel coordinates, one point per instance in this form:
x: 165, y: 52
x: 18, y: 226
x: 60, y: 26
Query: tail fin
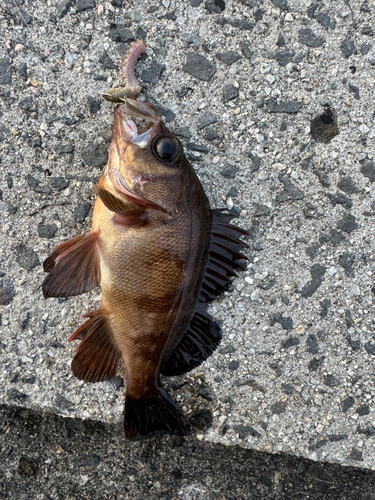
x: 148, y: 416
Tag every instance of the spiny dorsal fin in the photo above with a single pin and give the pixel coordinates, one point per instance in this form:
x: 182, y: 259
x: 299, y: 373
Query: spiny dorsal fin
x: 97, y: 356
x: 203, y: 334
x: 73, y: 267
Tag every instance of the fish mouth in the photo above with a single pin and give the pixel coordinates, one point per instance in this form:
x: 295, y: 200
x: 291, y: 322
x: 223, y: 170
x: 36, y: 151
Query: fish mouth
x: 125, y: 132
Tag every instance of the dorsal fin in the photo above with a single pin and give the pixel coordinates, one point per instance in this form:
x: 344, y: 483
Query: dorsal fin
x: 203, y: 334
x: 73, y: 267
x: 97, y: 356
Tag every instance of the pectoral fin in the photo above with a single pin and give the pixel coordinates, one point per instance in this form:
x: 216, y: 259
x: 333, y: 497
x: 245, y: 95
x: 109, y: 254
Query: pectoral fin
x: 73, y: 267
x: 127, y: 213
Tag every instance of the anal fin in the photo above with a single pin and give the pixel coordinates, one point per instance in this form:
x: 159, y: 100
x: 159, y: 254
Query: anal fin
x: 196, y: 345
x: 97, y: 356
x: 73, y: 267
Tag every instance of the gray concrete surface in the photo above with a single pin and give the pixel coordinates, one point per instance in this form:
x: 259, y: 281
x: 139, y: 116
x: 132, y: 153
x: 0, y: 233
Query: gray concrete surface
x: 274, y: 103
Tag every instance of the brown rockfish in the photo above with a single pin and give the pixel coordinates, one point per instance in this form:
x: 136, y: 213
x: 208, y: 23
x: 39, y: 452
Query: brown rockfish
x: 158, y: 253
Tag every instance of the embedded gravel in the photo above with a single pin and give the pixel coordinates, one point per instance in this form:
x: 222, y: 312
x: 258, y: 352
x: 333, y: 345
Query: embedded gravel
x: 286, y: 89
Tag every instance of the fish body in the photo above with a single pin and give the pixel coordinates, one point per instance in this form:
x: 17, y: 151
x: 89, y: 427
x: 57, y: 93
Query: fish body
x: 159, y: 254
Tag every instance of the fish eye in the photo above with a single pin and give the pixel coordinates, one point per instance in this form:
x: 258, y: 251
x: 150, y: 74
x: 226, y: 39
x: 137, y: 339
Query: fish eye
x: 167, y: 148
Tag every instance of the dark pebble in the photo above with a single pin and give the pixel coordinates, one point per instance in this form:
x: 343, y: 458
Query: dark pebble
x: 81, y: 211
x: 183, y: 131
x: 363, y: 410
x: 356, y: 455
x: 233, y: 366
x: 291, y: 192
x: 347, y: 185
x: 119, y: 33
x: 194, y: 41
x: 94, y: 104
x: 229, y: 92
x: 370, y: 348
x: 281, y: 4
x: 317, y: 272
x: 331, y: 381
x: 228, y: 57
x: 207, y: 393
x: 261, y: 210
x: 368, y: 170
x: 106, y: 61
x: 355, y: 91
x: 258, y: 14
x: 324, y: 19
x: 214, y: 6
x: 248, y: 3
x: 26, y: 257
x: 197, y: 147
x: 210, y: 134
x: 284, y: 107
x: 278, y: 407
x: 200, y: 67
x: 307, y: 37
x: 153, y: 74
x: 229, y: 172
x: 27, y: 466
x: 365, y: 48
x: 9, y: 181
x: 141, y: 33
x: 312, y: 344
x: 62, y: 149
x: 22, y: 70
x: 286, y: 323
x: 283, y: 58
x: 340, y: 199
x: 47, y: 230
x: 7, y: 292
x: 201, y: 419
x: 255, y: 162
x: 367, y: 431
x: 347, y: 403
x: 193, y: 3
x: 290, y: 342
x: 287, y: 389
x: 168, y: 114
x: 85, y: 42
x: 23, y: 319
x: 12, y: 209
x: 63, y: 6
x: 245, y: 49
x: 316, y: 363
x: 229, y: 349
x: 28, y: 104
x: 347, y: 223
x: 58, y: 183
x: 313, y: 250
x: 336, y: 237
x: 348, y: 47
x: 95, y: 155
x: 89, y: 461
x: 82, y: 5
x: 246, y: 430
x: 4, y: 133
x: 37, y: 142
x: 346, y: 260
x: 35, y: 185
x: 206, y: 119
x: 280, y: 40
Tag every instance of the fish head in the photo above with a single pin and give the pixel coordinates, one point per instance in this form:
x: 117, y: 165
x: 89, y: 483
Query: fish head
x: 149, y: 166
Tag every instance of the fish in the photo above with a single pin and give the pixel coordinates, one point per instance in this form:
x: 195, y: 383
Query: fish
x: 160, y: 255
